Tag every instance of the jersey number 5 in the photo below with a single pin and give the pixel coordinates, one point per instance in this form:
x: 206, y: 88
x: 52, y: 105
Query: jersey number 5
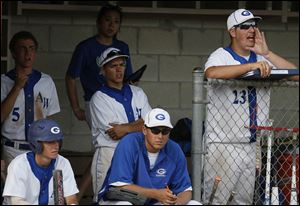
x: 15, y: 114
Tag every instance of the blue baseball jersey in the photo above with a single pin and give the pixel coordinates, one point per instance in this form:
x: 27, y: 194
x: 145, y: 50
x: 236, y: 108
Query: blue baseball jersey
x: 131, y: 156
x: 83, y: 64
x: 37, y: 100
x: 34, y: 184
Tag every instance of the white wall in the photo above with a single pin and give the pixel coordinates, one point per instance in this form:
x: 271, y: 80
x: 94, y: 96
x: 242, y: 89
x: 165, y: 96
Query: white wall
x: 170, y: 45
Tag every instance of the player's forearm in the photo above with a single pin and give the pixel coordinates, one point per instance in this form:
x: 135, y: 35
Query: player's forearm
x: 184, y: 197
x: 228, y: 72
x: 9, y: 102
x: 72, y: 92
x: 71, y: 200
x: 282, y: 63
x: 120, y: 130
x: 136, y: 126
x: 3, y: 170
x: 279, y: 62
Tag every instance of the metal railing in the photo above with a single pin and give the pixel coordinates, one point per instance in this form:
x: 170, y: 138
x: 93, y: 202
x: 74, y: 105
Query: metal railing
x: 250, y: 160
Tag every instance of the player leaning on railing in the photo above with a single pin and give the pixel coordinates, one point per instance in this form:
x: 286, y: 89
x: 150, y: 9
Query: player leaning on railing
x: 232, y: 107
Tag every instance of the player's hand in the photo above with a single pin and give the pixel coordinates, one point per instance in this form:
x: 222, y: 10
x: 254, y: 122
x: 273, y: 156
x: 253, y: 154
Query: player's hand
x: 21, y: 79
x: 80, y: 114
x: 166, y: 197
x: 264, y: 67
x: 117, y: 131
x: 260, y: 46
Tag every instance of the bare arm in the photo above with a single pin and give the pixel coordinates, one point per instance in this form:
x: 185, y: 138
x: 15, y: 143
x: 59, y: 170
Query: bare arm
x: 71, y: 200
x: 280, y: 62
x: 184, y: 197
x: 3, y: 171
x: 120, y: 130
x: 262, y: 48
x: 73, y: 98
x: 234, y: 71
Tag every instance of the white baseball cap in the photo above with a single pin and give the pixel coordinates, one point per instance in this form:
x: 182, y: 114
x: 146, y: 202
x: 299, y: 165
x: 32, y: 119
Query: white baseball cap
x: 108, y: 55
x: 240, y: 16
x: 158, y: 117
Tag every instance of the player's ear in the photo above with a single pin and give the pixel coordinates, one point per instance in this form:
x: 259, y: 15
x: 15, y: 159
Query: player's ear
x: 232, y: 32
x: 103, y: 71
x: 144, y: 130
x: 42, y: 147
x: 13, y: 55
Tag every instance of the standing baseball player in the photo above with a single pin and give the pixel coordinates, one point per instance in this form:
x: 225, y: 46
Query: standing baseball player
x: 29, y: 180
x: 152, y: 165
x: 117, y: 108
x: 230, y: 146
x: 83, y: 64
x: 26, y: 95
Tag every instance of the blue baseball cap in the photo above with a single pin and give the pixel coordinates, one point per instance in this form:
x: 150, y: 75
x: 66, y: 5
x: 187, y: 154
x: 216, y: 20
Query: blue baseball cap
x: 45, y: 130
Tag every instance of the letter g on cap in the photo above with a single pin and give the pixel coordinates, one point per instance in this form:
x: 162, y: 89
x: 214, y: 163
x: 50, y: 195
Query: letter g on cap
x: 160, y: 117
x: 55, y: 130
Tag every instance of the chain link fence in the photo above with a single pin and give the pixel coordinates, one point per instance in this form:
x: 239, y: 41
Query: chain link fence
x: 250, y: 143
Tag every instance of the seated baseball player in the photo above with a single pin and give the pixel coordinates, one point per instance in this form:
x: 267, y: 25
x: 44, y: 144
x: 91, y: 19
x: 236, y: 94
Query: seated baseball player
x: 29, y: 179
x: 152, y: 165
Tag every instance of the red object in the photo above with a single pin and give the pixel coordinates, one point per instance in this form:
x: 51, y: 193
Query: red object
x: 273, y: 128
x: 285, y: 174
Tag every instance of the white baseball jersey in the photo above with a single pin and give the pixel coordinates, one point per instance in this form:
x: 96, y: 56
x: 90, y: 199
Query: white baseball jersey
x: 27, y: 180
x: 37, y: 100
x: 228, y: 112
x: 115, y: 106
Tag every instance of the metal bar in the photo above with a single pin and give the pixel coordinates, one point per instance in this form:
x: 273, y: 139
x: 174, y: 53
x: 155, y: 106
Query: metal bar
x: 197, y: 138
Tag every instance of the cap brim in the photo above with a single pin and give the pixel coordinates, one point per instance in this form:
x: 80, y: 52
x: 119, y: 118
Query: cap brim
x: 256, y: 18
x: 112, y: 58
x: 159, y: 125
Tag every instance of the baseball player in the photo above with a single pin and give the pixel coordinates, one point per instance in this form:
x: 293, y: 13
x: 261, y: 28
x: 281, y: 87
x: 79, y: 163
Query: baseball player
x: 230, y: 146
x: 29, y: 180
x: 26, y: 95
x: 152, y: 165
x: 117, y: 108
x: 83, y: 64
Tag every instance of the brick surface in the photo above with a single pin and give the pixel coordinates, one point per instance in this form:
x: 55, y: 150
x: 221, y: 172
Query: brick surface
x: 65, y: 38
x: 172, y: 46
x: 177, y: 68
x: 200, y: 42
x: 158, y: 41
x: 54, y: 64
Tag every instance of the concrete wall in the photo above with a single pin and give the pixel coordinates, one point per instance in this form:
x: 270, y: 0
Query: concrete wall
x: 170, y: 45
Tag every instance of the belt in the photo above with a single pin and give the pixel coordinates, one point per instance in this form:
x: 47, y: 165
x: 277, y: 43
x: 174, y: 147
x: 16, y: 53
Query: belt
x: 17, y: 145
